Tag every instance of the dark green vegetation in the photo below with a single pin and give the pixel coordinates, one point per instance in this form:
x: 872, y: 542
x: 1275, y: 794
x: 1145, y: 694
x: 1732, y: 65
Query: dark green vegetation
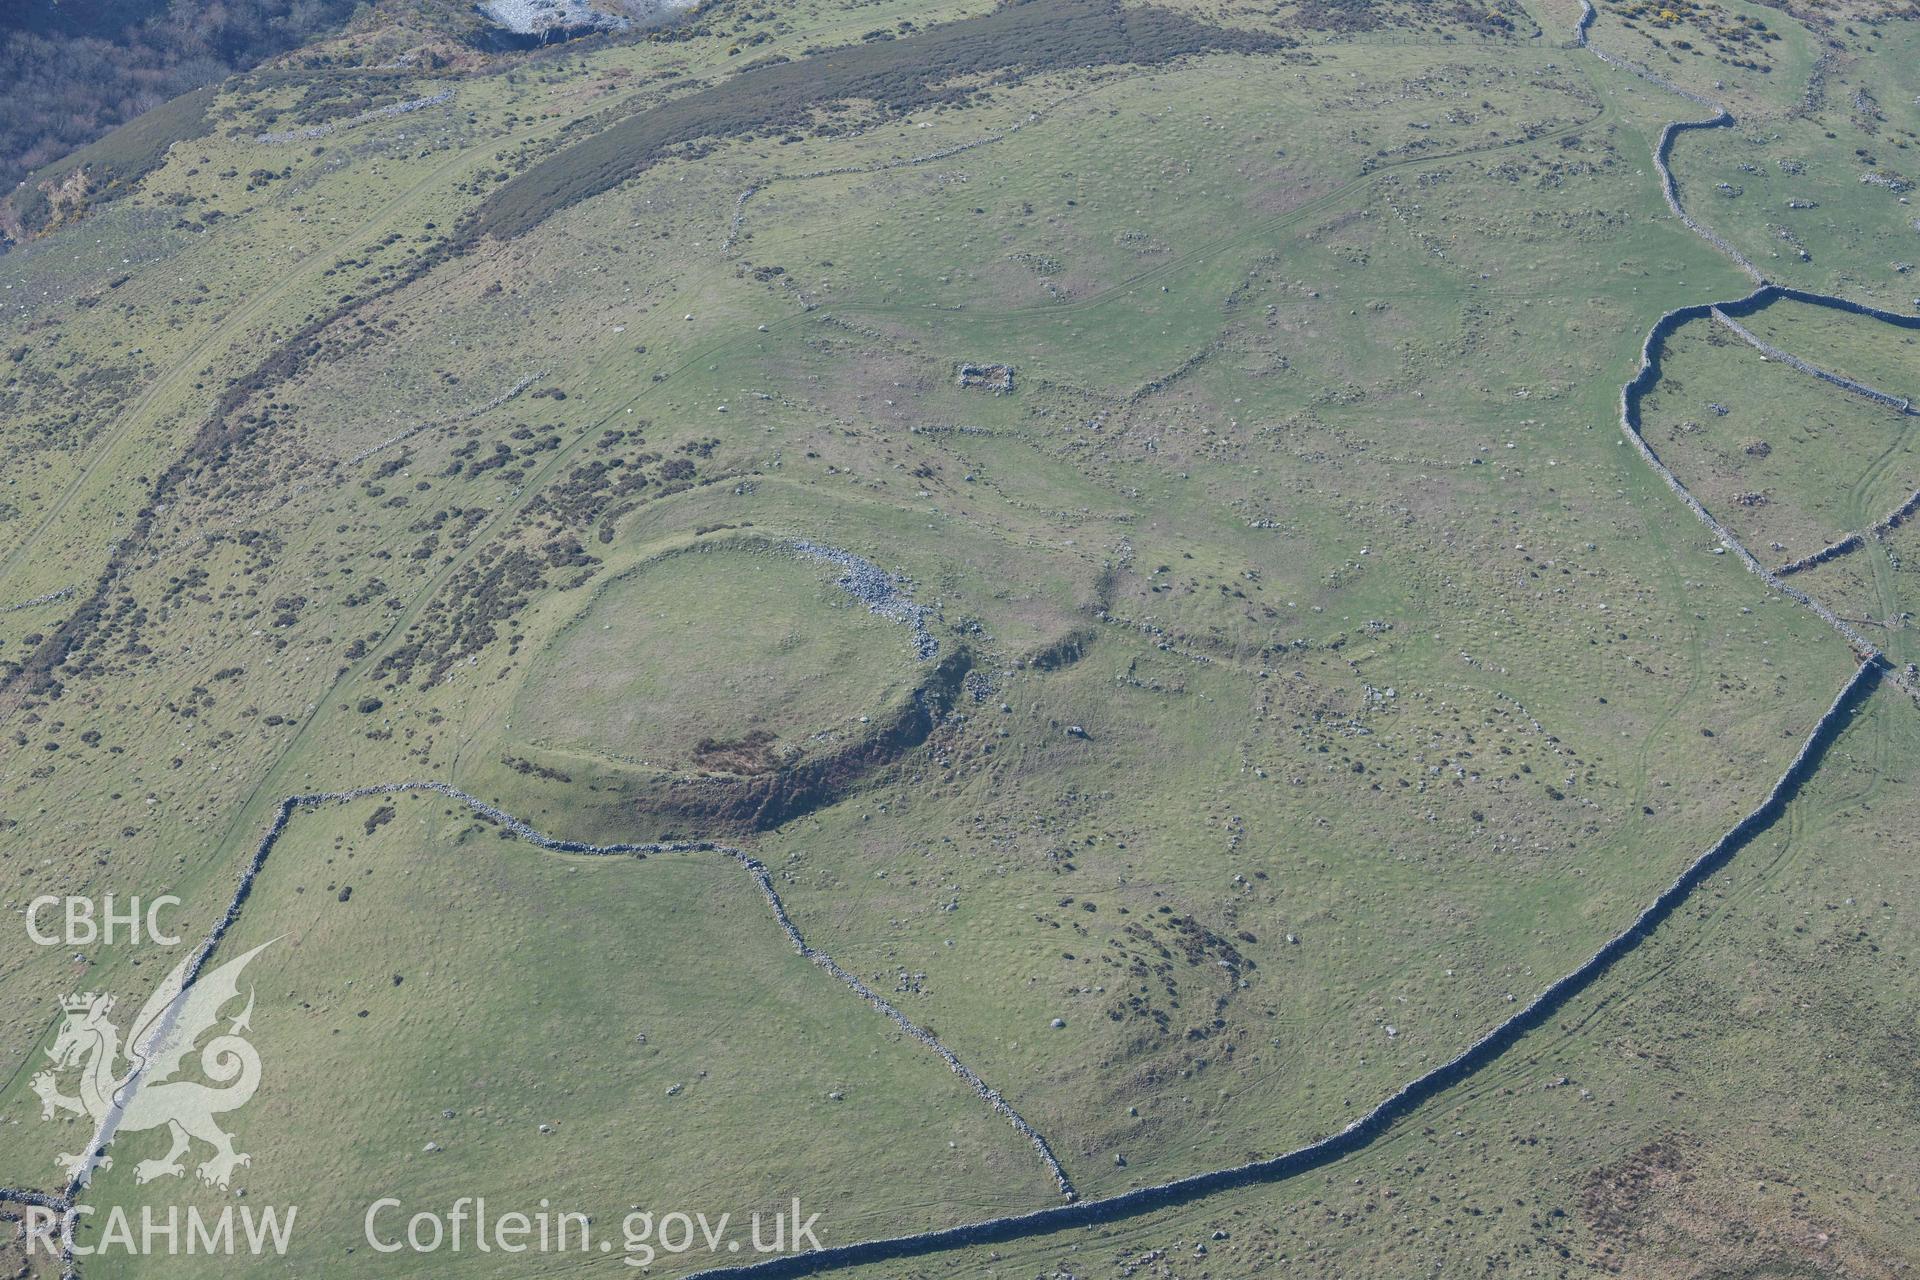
x: 111, y: 166
x: 944, y: 66
x: 74, y: 71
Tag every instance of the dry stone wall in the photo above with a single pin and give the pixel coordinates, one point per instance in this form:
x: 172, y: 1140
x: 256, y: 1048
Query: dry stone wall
x: 1409, y: 1097
x: 313, y: 132
x: 283, y: 814
x: 1832, y: 551
x: 1722, y: 118
x: 1772, y: 352
x: 1382, y: 1117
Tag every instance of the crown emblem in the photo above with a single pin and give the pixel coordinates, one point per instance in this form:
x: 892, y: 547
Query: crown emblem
x: 84, y: 1003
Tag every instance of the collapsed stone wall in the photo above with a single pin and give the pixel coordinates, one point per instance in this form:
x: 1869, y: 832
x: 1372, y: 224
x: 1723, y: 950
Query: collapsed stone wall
x: 1354, y: 1136
x: 50, y: 597
x: 42, y: 1200
x: 1358, y: 1133
x: 470, y: 414
x: 1721, y: 119
x: 1636, y: 388
x: 1490, y: 1046
x: 886, y: 595
x: 847, y: 170
x: 760, y: 802
x: 314, y: 132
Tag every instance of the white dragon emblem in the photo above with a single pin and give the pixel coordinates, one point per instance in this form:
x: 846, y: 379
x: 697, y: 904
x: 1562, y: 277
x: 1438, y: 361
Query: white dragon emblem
x: 143, y: 1095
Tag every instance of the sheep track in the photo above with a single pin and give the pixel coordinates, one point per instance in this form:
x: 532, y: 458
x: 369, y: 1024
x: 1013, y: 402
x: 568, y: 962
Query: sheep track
x: 1382, y: 1118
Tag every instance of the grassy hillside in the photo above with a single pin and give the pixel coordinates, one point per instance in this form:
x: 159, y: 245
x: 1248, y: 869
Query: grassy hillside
x: 1273, y: 672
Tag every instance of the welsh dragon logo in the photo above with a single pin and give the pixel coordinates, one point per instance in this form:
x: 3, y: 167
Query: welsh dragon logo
x: 143, y: 1094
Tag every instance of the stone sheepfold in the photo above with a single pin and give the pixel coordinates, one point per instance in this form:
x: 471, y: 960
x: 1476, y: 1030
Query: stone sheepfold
x: 883, y: 593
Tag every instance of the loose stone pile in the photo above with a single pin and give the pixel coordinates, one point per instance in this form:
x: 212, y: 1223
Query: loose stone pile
x: 883, y: 593
x: 1535, y: 1014
x: 997, y: 378
x: 322, y: 130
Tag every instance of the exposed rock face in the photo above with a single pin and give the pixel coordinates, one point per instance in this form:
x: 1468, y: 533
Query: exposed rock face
x: 540, y: 21
x: 541, y: 17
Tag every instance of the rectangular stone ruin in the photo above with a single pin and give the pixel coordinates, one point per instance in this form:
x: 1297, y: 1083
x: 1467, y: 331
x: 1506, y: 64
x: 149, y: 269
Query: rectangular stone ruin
x: 997, y: 378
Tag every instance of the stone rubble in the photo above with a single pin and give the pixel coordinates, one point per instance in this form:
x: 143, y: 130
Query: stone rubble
x: 883, y: 593
x: 50, y: 597
x: 313, y: 132
x: 846, y: 170
x: 879, y: 590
